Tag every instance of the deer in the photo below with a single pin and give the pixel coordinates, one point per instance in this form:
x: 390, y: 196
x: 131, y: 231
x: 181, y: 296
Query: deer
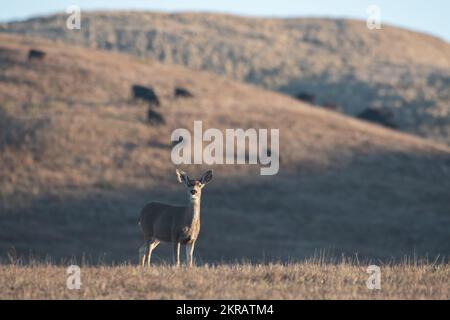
x: 179, y: 225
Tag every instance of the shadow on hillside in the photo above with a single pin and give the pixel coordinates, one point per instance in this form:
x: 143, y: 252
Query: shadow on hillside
x: 412, y: 115
x: 327, y: 91
x: 401, y: 209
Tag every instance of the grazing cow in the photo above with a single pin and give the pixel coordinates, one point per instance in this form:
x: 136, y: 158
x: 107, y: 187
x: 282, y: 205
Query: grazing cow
x: 145, y: 94
x: 381, y: 117
x: 306, y: 97
x: 36, y: 54
x: 155, y: 118
x: 182, y: 93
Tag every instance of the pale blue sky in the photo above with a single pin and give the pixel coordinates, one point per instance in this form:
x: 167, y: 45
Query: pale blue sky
x: 429, y: 16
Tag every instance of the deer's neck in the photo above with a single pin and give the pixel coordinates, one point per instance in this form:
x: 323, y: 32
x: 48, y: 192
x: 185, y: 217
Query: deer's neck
x: 194, y: 209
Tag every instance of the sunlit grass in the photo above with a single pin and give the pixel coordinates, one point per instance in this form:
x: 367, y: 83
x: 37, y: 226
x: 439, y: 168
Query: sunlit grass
x: 308, y: 280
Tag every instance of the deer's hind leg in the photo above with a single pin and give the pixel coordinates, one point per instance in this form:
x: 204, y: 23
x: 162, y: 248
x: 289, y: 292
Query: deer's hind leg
x: 143, y: 252
x: 151, y: 246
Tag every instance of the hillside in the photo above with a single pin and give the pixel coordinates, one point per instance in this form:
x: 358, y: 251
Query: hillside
x: 339, y: 62
x: 78, y: 161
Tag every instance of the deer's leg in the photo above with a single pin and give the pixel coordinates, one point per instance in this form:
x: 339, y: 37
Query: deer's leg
x: 146, y: 249
x: 152, y: 245
x: 142, y: 254
x: 190, y: 254
x: 176, y: 253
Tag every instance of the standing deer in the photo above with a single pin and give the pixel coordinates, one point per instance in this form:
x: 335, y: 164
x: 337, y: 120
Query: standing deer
x: 176, y: 224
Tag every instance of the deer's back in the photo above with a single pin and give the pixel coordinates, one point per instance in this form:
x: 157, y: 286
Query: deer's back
x: 158, y: 220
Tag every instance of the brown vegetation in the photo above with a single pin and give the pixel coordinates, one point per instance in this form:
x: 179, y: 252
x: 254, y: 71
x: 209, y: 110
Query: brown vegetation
x: 308, y: 280
x: 338, y: 61
x: 78, y: 162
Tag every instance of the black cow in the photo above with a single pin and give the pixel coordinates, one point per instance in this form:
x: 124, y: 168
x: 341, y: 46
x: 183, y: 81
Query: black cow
x: 155, y: 118
x: 306, y: 97
x: 182, y: 93
x: 36, y: 54
x: 382, y: 117
x: 145, y: 94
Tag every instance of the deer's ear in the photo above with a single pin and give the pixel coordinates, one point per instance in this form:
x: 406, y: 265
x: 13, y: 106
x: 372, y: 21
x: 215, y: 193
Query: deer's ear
x: 206, y: 177
x: 182, y: 177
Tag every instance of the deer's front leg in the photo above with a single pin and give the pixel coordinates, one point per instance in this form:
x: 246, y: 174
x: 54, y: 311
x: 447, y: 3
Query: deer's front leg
x: 176, y: 253
x: 190, y: 254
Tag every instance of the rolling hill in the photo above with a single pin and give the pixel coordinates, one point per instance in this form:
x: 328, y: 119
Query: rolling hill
x: 78, y: 160
x: 339, y: 62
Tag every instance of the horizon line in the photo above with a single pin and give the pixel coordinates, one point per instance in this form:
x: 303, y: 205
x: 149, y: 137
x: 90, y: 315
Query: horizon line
x: 226, y: 13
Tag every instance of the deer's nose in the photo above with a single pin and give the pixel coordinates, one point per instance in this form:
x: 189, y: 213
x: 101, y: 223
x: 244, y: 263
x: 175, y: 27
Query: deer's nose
x: 193, y: 192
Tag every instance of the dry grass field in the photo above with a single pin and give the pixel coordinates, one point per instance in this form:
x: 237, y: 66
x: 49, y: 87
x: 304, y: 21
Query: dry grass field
x: 307, y: 280
x: 78, y: 161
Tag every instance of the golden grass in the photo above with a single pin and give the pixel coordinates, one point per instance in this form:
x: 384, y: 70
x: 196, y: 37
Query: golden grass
x: 307, y: 280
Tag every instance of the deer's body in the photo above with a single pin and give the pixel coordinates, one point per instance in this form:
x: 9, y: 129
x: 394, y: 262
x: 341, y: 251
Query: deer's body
x: 179, y: 225
x: 166, y: 223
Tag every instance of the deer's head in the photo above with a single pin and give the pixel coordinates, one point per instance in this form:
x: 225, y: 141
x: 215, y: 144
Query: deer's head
x: 194, y: 186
